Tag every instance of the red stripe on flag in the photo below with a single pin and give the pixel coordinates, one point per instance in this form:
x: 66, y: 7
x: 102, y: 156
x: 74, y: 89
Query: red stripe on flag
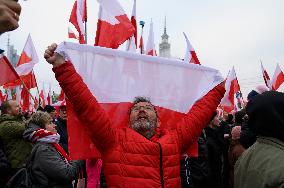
x: 7, y: 71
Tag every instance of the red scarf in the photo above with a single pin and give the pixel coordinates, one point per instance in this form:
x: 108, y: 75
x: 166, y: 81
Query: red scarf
x: 42, y: 135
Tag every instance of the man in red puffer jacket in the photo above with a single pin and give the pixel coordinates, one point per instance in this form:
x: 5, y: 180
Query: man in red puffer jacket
x: 140, y: 154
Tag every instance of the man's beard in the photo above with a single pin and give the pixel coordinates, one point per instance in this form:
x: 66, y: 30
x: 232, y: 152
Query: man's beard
x: 144, y: 126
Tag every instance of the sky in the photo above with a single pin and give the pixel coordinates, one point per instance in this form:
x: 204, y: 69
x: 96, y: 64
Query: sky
x: 224, y: 33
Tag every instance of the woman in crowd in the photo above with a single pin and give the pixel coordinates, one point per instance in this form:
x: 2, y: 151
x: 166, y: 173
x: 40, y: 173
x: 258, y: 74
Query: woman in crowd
x: 50, y: 165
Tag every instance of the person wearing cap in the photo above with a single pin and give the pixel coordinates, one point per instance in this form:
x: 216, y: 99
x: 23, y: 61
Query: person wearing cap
x: 262, y: 164
x: 61, y: 127
x: 248, y: 136
x: 51, y: 111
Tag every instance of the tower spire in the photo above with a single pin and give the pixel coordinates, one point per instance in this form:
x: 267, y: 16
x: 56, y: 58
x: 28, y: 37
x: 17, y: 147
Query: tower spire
x: 165, y: 27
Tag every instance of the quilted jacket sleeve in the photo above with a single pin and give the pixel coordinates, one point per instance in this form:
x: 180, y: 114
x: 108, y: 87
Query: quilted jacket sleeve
x: 85, y: 106
x: 199, y: 116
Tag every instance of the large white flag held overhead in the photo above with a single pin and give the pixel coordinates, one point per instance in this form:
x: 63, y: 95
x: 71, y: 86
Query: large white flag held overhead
x: 116, y: 77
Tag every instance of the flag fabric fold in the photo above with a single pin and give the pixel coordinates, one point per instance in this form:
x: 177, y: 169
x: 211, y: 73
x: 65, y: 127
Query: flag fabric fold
x: 71, y: 34
x: 190, y: 55
x: 266, y: 77
x: 232, y: 88
x: 28, y: 58
x: 116, y: 77
x: 150, y: 47
x: 278, y: 78
x: 132, y: 42
x: 7, y: 71
x: 113, y: 27
x: 78, y: 17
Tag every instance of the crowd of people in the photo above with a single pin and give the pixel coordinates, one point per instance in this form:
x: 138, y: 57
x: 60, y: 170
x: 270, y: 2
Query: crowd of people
x: 241, y: 150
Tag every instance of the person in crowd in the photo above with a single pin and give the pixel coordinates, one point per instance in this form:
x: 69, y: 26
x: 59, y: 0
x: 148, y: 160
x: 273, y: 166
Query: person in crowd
x: 140, y: 154
x: 50, y: 164
x: 235, y: 151
x: 51, y: 111
x: 61, y: 127
x: 248, y: 136
x: 5, y: 166
x: 215, y: 144
x: 239, y: 117
x: 262, y: 164
x: 199, y: 166
x: 10, y: 11
x: 12, y: 127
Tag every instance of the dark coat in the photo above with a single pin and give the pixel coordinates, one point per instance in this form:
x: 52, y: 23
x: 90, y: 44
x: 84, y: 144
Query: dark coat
x: 215, y: 145
x: 16, y: 149
x: 61, y: 127
x: 48, y: 167
x: 261, y: 165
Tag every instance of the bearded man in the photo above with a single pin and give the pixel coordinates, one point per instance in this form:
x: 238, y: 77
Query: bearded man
x: 140, y: 154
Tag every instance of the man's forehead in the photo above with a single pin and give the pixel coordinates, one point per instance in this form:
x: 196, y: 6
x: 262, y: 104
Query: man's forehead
x: 143, y: 104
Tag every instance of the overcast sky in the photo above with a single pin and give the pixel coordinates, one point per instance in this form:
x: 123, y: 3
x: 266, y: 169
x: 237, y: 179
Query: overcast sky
x: 224, y: 33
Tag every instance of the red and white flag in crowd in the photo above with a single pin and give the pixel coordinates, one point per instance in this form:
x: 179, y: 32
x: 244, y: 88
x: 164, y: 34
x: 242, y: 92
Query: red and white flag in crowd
x: 35, y: 104
x: 61, y: 96
x: 78, y: 17
x: 141, y: 44
x: 232, y: 87
x: 42, y: 98
x: 113, y: 27
x: 265, y: 77
x: 190, y: 55
x: 28, y: 58
x: 49, y: 97
x: 130, y: 75
x: 132, y: 42
x: 25, y: 65
x: 3, y: 96
x: 150, y: 47
x: 278, y: 78
x: 7, y: 71
x: 71, y: 34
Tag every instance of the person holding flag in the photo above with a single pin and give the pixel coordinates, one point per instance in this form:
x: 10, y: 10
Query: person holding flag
x: 139, y: 154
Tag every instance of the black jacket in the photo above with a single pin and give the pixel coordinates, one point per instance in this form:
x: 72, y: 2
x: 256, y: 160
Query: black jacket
x: 48, y: 167
x: 61, y: 127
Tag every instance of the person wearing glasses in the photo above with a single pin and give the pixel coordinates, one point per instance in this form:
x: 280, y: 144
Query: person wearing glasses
x: 141, y: 154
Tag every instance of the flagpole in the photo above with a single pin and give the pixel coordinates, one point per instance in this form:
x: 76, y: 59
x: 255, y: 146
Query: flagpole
x: 142, y: 23
x: 86, y: 22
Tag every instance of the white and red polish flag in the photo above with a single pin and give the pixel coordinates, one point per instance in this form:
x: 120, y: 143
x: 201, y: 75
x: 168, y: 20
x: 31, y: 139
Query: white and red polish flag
x: 266, y: 77
x: 42, y: 98
x: 48, y: 98
x: 150, y: 47
x: 116, y: 77
x: 28, y: 58
x: 25, y: 65
x: 78, y: 17
x: 278, y: 78
x: 232, y: 87
x: 113, y: 27
x: 71, y: 34
x: 190, y: 55
x: 141, y: 44
x: 7, y: 71
x: 132, y: 42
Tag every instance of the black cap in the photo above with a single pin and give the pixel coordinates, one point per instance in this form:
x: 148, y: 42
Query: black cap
x: 49, y: 108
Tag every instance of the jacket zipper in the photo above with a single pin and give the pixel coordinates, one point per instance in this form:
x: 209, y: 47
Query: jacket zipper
x: 161, y: 166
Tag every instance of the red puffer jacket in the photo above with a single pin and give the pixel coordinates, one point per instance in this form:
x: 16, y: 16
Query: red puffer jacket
x: 131, y: 160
